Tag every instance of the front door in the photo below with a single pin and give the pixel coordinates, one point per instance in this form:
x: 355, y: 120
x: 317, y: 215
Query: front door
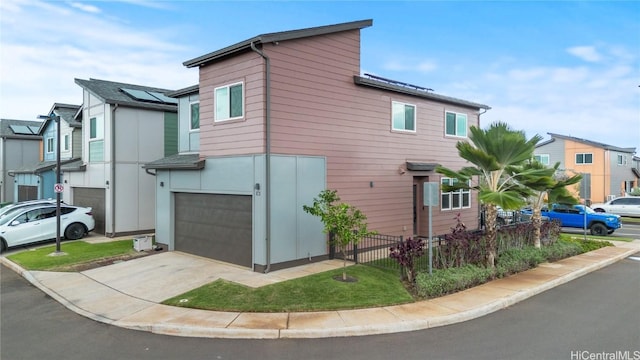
x: 419, y: 221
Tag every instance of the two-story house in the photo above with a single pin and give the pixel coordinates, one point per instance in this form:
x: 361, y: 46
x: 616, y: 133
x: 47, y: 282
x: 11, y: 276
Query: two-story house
x: 40, y: 177
x: 278, y: 118
x: 607, y: 171
x: 20, y: 143
x: 123, y: 127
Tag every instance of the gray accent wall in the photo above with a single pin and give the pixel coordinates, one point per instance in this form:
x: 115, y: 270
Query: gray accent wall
x: 555, y: 150
x: 189, y: 141
x: 295, y: 234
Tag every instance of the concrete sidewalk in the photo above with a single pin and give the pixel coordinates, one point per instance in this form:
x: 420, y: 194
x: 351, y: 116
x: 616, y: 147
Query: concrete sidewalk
x: 127, y: 295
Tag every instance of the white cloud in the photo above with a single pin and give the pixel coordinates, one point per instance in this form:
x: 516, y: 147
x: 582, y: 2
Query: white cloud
x: 586, y: 53
x: 39, y: 62
x: 85, y: 7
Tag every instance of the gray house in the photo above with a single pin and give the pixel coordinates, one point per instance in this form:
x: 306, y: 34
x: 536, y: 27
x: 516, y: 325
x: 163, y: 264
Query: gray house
x: 123, y: 127
x: 608, y: 171
x: 39, y: 178
x: 19, y: 146
x: 278, y: 118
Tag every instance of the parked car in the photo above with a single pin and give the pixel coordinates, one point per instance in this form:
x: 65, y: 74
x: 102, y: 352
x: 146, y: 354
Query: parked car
x: 574, y: 216
x: 623, y: 206
x: 23, y: 204
x: 35, y: 223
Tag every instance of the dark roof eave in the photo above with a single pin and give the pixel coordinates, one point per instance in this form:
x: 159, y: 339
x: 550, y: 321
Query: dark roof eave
x: 359, y: 80
x: 273, y: 37
x: 199, y: 165
x: 421, y: 166
x: 593, y: 143
x: 141, y: 105
x: 193, y: 89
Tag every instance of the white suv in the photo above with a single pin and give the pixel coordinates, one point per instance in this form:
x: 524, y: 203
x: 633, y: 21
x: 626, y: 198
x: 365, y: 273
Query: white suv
x: 623, y: 206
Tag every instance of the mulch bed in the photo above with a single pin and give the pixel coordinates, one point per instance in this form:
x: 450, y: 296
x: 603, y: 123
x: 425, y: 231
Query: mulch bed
x: 160, y: 248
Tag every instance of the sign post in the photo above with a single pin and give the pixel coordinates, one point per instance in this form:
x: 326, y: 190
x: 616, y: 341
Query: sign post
x: 431, y: 196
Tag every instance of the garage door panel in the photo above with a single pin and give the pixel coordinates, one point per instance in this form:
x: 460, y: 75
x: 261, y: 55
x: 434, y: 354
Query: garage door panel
x: 217, y: 226
x: 95, y: 199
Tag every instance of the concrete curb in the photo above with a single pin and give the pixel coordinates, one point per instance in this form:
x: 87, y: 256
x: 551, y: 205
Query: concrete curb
x: 401, y: 325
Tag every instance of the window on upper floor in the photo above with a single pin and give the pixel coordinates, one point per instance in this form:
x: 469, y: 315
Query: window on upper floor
x: 455, y: 124
x: 229, y: 102
x: 584, y: 158
x: 50, y: 144
x: 403, y: 117
x: 194, y: 115
x: 542, y: 158
x: 458, y: 199
x: 66, y: 143
x: 96, y: 141
x: 622, y: 160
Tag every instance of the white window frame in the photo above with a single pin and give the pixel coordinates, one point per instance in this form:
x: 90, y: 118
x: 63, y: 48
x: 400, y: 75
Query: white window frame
x: 216, y: 113
x: 97, y: 140
x: 66, y: 143
x: 583, y: 159
x: 457, y: 131
x: 394, y: 108
x: 191, y: 128
x: 622, y: 159
x: 542, y: 158
x: 50, y: 144
x: 462, y: 193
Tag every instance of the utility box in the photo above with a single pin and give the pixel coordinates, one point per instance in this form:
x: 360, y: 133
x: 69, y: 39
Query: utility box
x: 142, y: 243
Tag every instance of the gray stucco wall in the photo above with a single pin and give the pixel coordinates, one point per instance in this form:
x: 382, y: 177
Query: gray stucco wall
x: 16, y: 153
x: 555, y: 150
x: 296, y: 181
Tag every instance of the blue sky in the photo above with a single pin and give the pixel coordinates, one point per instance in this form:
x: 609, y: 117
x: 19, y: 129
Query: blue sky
x: 569, y: 67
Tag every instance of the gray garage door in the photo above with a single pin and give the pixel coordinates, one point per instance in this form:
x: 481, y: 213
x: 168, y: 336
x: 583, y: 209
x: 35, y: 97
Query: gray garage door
x: 215, y: 226
x: 95, y: 199
x: 27, y: 192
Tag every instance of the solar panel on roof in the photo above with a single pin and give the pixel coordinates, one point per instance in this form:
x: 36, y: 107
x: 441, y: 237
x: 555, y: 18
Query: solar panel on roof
x: 34, y: 129
x: 140, y: 95
x: 21, y: 130
x: 151, y: 96
x: 163, y: 97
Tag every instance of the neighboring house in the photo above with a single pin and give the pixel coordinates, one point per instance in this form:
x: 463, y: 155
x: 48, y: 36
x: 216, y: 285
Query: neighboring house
x: 19, y: 145
x: 278, y: 118
x: 40, y: 177
x: 608, y: 171
x: 124, y: 126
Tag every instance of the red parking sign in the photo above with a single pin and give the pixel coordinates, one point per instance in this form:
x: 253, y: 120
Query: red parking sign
x: 58, y: 188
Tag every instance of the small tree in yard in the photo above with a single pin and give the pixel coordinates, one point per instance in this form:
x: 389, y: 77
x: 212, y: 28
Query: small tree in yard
x: 346, y: 222
x: 406, y: 253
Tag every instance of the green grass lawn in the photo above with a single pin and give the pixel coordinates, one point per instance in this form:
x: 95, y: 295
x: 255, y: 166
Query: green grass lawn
x: 375, y: 287
x: 630, y: 220
x: 592, y: 237
x: 77, y: 252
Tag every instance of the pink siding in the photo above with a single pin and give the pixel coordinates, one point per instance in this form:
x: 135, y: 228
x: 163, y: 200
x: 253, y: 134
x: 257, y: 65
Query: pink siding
x: 318, y: 110
x: 234, y: 137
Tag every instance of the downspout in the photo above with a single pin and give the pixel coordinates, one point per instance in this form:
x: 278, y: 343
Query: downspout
x: 267, y: 164
x: 113, y: 170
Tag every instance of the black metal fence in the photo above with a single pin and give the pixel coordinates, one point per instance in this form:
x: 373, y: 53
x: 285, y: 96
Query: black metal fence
x: 447, y: 251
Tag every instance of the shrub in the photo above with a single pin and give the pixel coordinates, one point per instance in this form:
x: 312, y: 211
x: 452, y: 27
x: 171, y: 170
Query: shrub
x: 446, y: 281
x: 406, y: 253
x: 516, y: 260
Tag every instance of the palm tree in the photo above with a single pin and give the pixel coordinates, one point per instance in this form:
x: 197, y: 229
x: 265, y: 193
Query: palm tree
x: 497, y: 153
x: 546, y: 187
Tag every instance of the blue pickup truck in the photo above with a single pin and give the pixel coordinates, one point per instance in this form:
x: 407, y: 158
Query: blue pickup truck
x: 573, y: 216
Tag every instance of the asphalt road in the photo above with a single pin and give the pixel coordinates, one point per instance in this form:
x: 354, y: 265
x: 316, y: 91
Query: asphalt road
x: 597, y: 313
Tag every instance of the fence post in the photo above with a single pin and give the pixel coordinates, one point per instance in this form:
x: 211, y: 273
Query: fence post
x: 401, y: 267
x: 355, y: 253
